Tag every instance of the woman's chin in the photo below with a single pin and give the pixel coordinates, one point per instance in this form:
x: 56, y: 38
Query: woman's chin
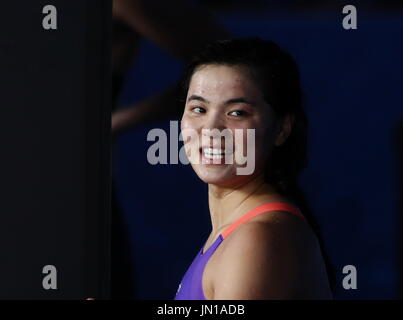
x: 224, y: 177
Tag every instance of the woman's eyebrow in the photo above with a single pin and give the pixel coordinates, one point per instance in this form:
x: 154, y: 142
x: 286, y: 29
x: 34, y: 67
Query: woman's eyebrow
x: 228, y: 102
x: 240, y: 100
x: 196, y: 97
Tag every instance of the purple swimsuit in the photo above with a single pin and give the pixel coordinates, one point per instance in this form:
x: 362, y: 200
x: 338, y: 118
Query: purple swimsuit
x: 191, y: 286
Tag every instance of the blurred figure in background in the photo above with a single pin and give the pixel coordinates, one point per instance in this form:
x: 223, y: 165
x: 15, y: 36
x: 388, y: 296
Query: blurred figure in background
x: 179, y: 28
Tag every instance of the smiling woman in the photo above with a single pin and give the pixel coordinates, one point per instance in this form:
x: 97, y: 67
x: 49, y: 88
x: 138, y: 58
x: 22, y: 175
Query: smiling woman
x: 261, y: 246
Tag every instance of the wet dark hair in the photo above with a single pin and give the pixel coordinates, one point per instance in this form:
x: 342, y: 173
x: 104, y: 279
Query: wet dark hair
x: 277, y: 75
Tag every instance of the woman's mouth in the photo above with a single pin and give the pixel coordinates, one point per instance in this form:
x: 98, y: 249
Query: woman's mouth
x: 212, y: 155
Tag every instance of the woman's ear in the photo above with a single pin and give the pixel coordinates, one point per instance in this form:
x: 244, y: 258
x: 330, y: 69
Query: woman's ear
x: 285, y: 129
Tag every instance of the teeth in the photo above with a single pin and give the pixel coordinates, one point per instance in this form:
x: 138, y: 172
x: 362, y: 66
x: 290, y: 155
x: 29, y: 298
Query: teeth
x: 213, y: 156
x: 213, y: 151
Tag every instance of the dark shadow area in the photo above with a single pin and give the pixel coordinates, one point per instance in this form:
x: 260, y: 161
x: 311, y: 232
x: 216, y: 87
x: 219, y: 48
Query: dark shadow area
x: 398, y: 149
x: 124, y: 48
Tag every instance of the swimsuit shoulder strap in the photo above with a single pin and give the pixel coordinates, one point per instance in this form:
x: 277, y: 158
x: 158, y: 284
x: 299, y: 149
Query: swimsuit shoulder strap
x: 267, y: 207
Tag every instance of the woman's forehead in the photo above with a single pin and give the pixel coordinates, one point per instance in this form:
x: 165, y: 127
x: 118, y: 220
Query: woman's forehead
x: 222, y: 81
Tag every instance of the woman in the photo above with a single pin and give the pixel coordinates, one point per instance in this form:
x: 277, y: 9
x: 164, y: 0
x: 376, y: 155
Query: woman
x: 260, y: 246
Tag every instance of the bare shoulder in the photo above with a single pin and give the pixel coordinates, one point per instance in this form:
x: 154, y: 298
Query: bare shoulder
x: 275, y: 256
x: 271, y: 232
x: 279, y: 224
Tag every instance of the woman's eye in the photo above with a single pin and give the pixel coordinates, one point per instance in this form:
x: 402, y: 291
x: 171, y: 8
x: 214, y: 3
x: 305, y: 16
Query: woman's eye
x: 198, y: 110
x: 237, y: 113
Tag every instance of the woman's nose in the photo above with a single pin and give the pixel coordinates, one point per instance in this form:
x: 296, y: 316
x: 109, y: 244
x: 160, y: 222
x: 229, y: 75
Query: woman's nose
x: 214, y: 121
x: 213, y: 130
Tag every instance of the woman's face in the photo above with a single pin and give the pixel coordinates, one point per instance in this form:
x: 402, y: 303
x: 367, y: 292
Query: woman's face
x: 226, y: 97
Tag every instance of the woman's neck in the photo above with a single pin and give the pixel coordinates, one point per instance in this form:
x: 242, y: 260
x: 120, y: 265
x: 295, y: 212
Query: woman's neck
x: 229, y: 204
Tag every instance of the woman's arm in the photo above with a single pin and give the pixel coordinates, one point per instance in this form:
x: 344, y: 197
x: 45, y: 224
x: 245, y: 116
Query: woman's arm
x: 159, y: 106
x: 279, y: 259
x: 177, y: 26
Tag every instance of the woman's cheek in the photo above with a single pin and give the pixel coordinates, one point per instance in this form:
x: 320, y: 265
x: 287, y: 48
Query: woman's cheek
x: 191, y: 139
x: 186, y: 128
x: 249, y: 143
x: 184, y: 122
